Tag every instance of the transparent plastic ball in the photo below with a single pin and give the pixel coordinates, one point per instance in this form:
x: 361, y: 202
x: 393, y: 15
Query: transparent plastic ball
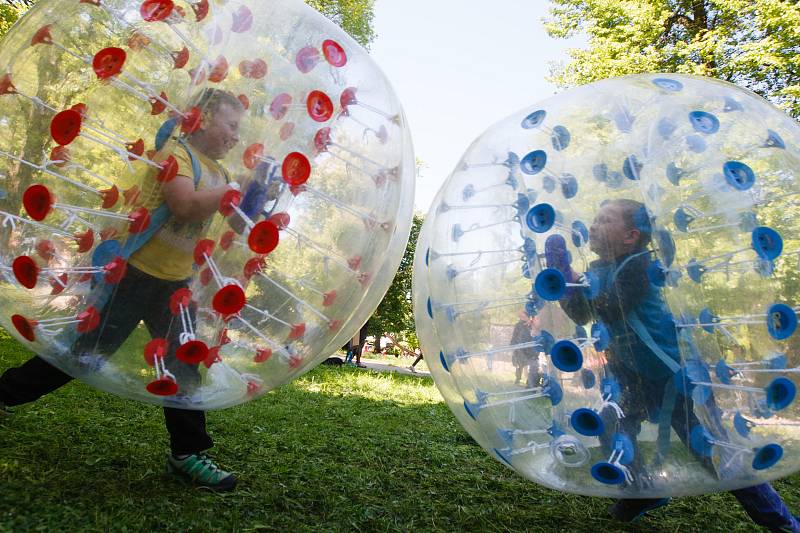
x: 200, y: 200
x: 606, y: 290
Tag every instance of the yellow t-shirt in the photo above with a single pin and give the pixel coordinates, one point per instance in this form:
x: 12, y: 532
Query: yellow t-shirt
x: 168, y: 255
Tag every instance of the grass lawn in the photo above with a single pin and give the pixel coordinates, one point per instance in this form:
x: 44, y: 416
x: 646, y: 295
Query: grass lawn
x: 340, y: 449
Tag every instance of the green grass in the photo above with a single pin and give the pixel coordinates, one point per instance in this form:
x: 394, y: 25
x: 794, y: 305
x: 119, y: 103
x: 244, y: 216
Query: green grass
x: 339, y: 449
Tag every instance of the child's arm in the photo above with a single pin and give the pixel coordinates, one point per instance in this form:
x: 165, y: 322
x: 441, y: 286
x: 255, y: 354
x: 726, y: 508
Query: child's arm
x: 627, y: 290
x: 188, y: 204
x: 574, y: 303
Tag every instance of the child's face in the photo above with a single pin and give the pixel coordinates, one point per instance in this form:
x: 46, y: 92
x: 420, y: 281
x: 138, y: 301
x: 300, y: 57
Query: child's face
x: 609, y: 235
x: 221, y: 133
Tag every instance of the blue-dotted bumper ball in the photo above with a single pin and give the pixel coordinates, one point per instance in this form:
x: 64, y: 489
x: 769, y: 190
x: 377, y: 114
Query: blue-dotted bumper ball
x: 606, y: 291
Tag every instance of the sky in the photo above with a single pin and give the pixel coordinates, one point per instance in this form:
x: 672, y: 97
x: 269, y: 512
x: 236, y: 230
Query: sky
x: 459, y: 66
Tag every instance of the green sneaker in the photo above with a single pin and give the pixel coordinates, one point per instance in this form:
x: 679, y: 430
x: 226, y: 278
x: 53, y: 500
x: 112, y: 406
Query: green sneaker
x: 202, y: 471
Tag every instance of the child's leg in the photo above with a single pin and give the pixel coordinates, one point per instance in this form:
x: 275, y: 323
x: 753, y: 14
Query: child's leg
x: 766, y: 508
x: 30, y: 381
x: 187, y: 431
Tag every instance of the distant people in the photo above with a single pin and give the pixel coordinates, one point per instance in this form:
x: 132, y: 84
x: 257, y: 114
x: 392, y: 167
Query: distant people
x: 357, y: 345
x: 527, y: 356
x: 419, y: 358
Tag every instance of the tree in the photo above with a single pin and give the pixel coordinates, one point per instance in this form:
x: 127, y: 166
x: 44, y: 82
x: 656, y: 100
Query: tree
x: 395, y: 314
x: 752, y: 43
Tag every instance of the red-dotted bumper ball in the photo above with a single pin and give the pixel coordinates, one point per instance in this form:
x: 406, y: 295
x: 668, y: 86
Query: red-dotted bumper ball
x: 119, y: 117
x: 606, y: 291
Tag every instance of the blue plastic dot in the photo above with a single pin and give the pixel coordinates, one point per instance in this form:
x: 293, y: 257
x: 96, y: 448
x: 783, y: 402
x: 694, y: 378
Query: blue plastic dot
x: 703, y: 122
x: 429, y: 307
x: 601, y: 335
x: 506, y: 435
x: 550, y: 284
x: 554, y: 392
x: 545, y: 341
x: 512, y: 160
x: 701, y: 441
x: 767, y: 456
x: 532, y: 307
x: 548, y: 184
x: 105, y: 252
x: 682, y: 219
x: 522, y: 204
x: 742, y: 425
x: 731, y: 104
x: 666, y: 128
x: 624, y: 120
x: 696, y: 144
x: 774, y: 140
x: 503, y: 455
x: 451, y: 272
x: 588, y: 379
x: 534, y: 162
x: 665, y: 244
x: 674, y: 174
x: 632, y: 167
x: 607, y: 473
x: 724, y: 372
x: 541, y: 217
x: 472, y: 409
x: 610, y: 389
x: 708, y: 319
x: 767, y: 243
x: 738, y: 175
x: 580, y: 234
x: 457, y: 232
x: 443, y: 360
x: 780, y: 393
x: 657, y: 273
x: 569, y: 186
x: 592, y: 280
x: 778, y: 361
x: 443, y: 207
x: 534, y: 119
x: 566, y: 356
x: 560, y: 138
x: 451, y: 313
x: 668, y: 84
x: 695, y: 270
x: 622, y: 443
x: 468, y: 192
x: 587, y: 422
x: 428, y: 257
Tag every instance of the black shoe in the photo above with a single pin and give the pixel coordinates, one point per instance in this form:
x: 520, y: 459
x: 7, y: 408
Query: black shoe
x: 631, y: 510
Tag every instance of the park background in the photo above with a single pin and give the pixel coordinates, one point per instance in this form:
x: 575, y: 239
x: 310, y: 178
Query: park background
x: 347, y: 449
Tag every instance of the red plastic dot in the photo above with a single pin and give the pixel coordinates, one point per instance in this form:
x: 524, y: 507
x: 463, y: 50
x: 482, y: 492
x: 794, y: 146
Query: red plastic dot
x: 60, y: 153
x: 322, y: 139
x: 229, y: 300
x: 226, y: 240
x: 280, y: 106
x: 180, y: 58
x: 296, y: 169
x: 263, y: 237
x: 156, y: 10
x: 26, y: 271
x: 295, y: 361
x: 139, y: 220
x: 307, y: 58
x: 65, y: 126
x: 115, y: 270
x: 131, y: 194
x: 206, y: 276
x: 319, y: 106
x: 108, y: 62
x: 6, y: 85
x: 24, y: 327
x: 200, y: 10
x: 254, y: 70
x: 58, y: 284
x: 334, y: 53
x: 212, y: 357
x: 334, y: 325
x: 138, y: 41
x: 298, y: 330
x: 84, y: 240
x: 286, y: 131
x: 281, y: 220
x: 245, y: 101
x: 203, y: 249
x: 157, y: 106
x: 230, y: 199
x: 136, y: 148
x: 180, y: 297
x: 253, y: 154
x: 354, y: 262
x: 169, y: 169
x: 37, y: 201
x: 155, y: 348
x: 348, y: 97
x: 89, y: 319
x: 110, y: 196
x: 162, y: 387
x: 242, y: 20
x: 262, y: 355
x: 108, y: 233
x: 328, y: 298
x: 192, y: 121
x: 42, y: 36
x: 192, y: 352
x: 253, y: 265
x: 219, y: 70
x: 46, y: 249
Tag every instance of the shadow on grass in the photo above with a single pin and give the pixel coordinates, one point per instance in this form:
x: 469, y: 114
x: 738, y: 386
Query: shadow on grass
x: 320, y: 454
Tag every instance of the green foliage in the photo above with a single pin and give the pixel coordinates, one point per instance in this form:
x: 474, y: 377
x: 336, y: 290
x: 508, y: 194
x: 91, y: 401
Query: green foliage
x: 395, y: 314
x: 753, y: 43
